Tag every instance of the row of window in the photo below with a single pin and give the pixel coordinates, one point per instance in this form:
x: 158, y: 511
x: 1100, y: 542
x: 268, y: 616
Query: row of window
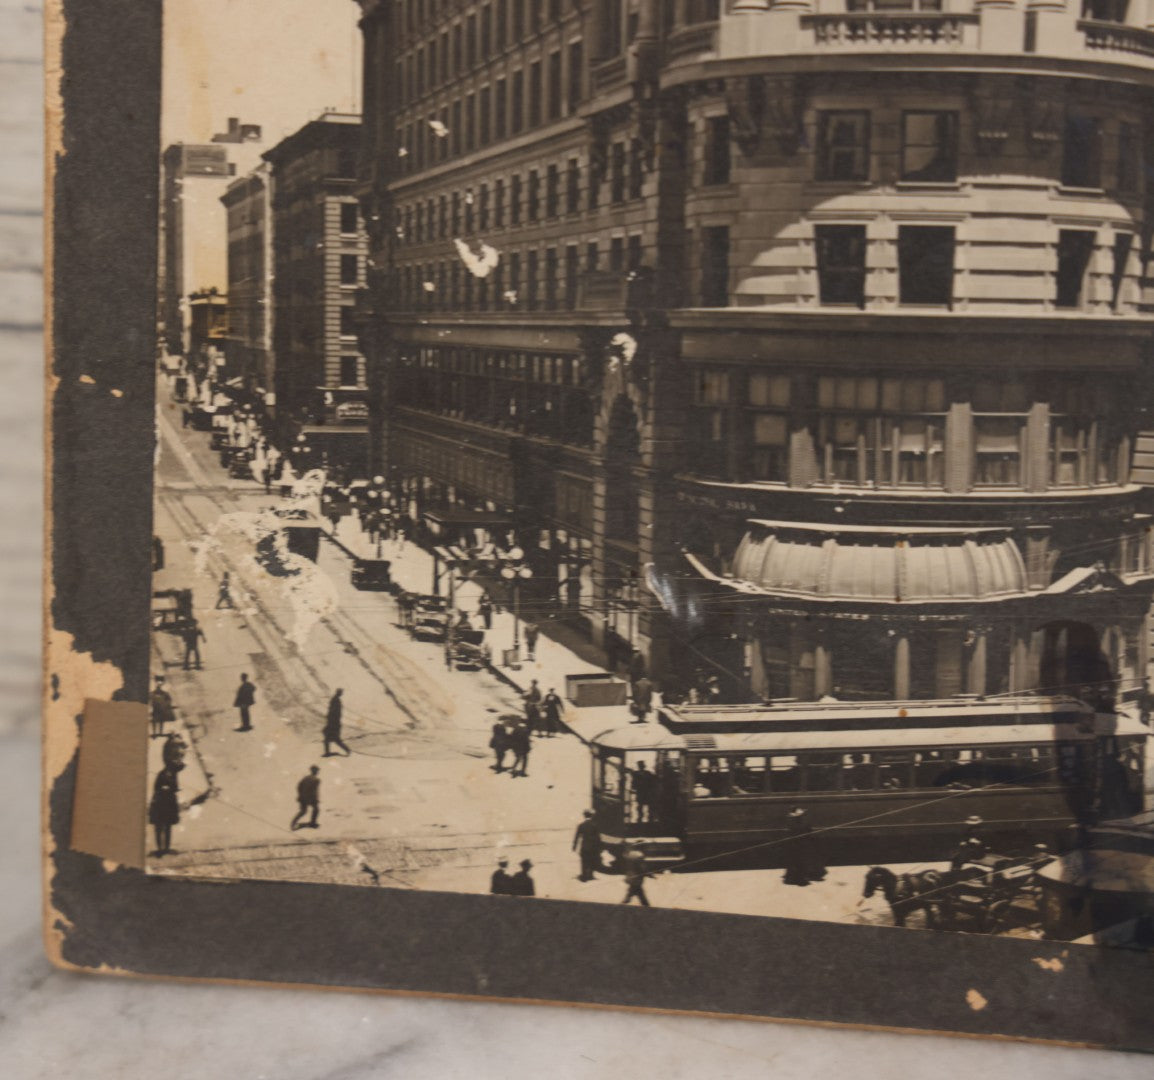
x: 533, y: 280
x: 890, y: 432
x: 536, y: 196
x: 742, y: 775
x: 527, y: 393
x: 493, y: 25
x: 926, y: 265
x: 929, y: 148
x: 539, y: 93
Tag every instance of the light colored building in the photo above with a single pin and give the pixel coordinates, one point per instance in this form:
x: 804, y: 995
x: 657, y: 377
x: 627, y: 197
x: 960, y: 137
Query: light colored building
x: 830, y: 322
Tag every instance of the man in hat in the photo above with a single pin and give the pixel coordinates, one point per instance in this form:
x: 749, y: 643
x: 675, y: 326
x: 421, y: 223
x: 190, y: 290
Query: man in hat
x: 499, y: 744
x: 972, y: 847
x: 243, y: 702
x: 803, y: 862
x: 587, y: 844
x: 332, y: 729
x: 192, y: 635
x: 160, y: 708
x: 644, y: 791
x: 501, y: 883
x: 308, y: 799
x: 520, y: 745
x: 633, y: 861
x: 551, y: 710
x: 224, y: 592
x: 521, y: 884
x: 642, y: 699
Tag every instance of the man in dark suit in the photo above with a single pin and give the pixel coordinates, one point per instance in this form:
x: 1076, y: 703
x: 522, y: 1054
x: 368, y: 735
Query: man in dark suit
x: 245, y: 696
x: 332, y: 731
x: 308, y: 798
x: 520, y: 745
x: 587, y: 844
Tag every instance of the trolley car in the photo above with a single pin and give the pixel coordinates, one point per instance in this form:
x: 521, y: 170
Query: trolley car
x: 882, y: 781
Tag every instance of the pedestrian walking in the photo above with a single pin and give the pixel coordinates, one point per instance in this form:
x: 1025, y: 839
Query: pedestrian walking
x: 224, y: 593
x: 245, y: 697
x: 636, y: 666
x: 160, y: 708
x: 485, y: 610
x: 521, y: 883
x: 552, y: 707
x: 803, y: 862
x: 642, y: 699
x: 192, y: 635
x: 587, y: 843
x: 501, y: 883
x: 164, y: 809
x: 644, y: 791
x: 520, y: 745
x: 157, y: 553
x: 633, y: 861
x: 532, y: 632
x: 499, y: 744
x: 308, y: 799
x: 533, y: 707
x: 173, y: 751
x: 332, y: 730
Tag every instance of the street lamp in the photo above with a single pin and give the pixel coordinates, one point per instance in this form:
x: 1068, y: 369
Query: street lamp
x: 516, y: 574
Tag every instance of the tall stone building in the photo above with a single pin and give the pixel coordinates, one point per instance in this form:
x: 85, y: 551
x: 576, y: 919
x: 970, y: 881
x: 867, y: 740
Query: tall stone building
x: 248, y: 348
x: 800, y: 343
x: 319, y: 250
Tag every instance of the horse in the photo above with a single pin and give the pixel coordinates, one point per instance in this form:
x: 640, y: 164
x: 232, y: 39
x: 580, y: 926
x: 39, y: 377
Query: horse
x: 907, y: 892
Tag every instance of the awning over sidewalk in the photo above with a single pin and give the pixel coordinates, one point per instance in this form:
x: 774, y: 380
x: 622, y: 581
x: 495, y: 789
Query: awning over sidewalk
x: 466, y: 519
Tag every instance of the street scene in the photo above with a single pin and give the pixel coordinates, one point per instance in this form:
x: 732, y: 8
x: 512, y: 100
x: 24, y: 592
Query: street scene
x: 412, y: 799
x: 597, y: 461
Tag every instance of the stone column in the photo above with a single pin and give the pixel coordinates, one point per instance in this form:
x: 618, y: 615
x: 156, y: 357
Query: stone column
x: 976, y: 668
x: 822, y: 666
x: 902, y: 667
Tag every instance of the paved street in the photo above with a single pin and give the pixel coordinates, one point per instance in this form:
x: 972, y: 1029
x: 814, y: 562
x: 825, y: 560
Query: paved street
x: 416, y: 804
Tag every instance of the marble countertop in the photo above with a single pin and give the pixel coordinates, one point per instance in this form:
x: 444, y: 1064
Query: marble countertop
x: 58, y: 1024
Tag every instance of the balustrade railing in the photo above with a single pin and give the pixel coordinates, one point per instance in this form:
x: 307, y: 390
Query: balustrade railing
x: 1115, y: 37
x: 870, y: 29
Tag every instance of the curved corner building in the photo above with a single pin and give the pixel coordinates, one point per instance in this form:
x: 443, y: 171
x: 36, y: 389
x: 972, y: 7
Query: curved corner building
x: 801, y: 342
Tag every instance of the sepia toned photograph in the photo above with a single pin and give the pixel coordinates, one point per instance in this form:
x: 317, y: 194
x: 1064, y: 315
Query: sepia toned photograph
x: 695, y: 455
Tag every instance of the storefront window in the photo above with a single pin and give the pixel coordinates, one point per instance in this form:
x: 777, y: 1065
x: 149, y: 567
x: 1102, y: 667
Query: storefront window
x: 881, y: 431
x: 768, y: 432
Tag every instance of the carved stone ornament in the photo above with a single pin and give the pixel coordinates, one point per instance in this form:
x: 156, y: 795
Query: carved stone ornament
x: 745, y: 99
x: 784, y: 107
x: 993, y: 115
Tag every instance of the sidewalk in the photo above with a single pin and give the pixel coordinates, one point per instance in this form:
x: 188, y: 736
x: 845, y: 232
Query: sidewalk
x: 411, y: 567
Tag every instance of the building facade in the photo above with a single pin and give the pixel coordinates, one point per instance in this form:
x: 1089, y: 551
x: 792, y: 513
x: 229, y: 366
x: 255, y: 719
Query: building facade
x: 193, y: 177
x: 319, y: 253
x: 248, y: 344
x: 805, y: 343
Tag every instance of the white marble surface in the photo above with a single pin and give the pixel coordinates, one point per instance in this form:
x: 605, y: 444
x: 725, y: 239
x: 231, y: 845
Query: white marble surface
x: 55, y: 1024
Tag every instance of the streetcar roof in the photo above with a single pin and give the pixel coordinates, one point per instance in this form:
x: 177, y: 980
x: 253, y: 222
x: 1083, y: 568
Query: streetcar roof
x: 652, y: 737
x: 830, y: 715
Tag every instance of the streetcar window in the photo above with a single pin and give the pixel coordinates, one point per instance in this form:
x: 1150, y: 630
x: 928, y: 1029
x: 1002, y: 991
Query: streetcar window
x: 711, y: 778
x: 823, y: 772
x: 894, y: 769
x: 858, y: 773
x: 609, y: 780
x: 784, y: 773
x: 930, y: 767
x: 749, y: 774
x: 1001, y: 766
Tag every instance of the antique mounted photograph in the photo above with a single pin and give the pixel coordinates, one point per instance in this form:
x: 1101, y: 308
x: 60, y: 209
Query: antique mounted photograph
x: 608, y: 454
x: 680, y: 453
